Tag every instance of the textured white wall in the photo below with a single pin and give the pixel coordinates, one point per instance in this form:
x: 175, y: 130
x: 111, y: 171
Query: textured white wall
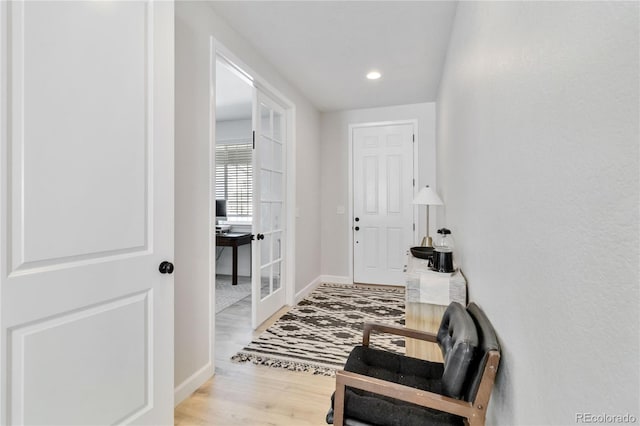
x: 195, y: 24
x: 538, y: 117
x: 335, y: 173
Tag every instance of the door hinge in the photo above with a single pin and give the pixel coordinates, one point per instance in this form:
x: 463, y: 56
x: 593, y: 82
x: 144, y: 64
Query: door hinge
x: 414, y: 137
x: 414, y: 226
x: 254, y: 139
x: 414, y: 182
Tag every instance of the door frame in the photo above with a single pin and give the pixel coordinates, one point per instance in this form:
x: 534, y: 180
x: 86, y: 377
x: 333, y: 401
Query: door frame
x: 220, y: 51
x: 352, y: 127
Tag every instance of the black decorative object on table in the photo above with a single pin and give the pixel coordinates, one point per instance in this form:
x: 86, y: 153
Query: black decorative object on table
x: 422, y: 252
x: 443, y: 254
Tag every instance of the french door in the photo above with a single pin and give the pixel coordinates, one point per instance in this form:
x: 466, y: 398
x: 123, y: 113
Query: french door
x: 382, y: 202
x: 86, y: 212
x: 269, y: 214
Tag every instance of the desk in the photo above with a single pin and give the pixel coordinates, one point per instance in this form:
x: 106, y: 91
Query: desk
x: 428, y: 294
x: 233, y: 239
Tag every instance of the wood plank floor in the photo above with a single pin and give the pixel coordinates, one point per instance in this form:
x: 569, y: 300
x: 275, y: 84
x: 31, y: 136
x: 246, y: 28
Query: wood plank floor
x: 250, y: 395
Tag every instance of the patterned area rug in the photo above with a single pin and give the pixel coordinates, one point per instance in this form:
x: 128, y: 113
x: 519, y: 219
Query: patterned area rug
x: 317, y: 334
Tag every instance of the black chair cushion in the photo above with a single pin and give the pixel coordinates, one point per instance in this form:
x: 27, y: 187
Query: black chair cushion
x: 369, y: 408
x: 396, y: 368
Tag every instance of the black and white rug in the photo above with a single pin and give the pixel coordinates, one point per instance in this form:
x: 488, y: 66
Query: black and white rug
x: 317, y: 334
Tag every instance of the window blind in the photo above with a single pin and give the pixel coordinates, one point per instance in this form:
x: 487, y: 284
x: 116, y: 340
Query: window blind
x: 234, y: 178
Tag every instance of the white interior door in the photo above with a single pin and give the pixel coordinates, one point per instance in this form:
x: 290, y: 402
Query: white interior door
x: 269, y: 228
x: 86, y: 212
x: 382, y: 202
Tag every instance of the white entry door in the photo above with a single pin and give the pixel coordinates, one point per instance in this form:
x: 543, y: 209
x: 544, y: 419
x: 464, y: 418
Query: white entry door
x: 86, y: 217
x: 269, y: 177
x: 382, y: 202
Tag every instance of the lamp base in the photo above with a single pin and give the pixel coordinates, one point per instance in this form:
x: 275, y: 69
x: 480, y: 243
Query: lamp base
x: 426, y: 242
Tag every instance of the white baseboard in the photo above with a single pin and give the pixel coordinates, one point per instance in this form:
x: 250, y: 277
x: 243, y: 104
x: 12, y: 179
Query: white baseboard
x: 335, y: 279
x: 306, y: 290
x: 189, y: 386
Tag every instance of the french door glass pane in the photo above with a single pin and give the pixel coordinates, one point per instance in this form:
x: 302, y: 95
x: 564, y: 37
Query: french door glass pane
x: 277, y: 126
x: 265, y: 252
x: 277, y: 156
x: 266, y: 153
x: 265, y: 120
x: 276, y: 276
x: 265, y: 216
x: 276, y: 186
x: 265, y: 185
x: 265, y: 285
x: 276, y: 212
x: 277, y: 245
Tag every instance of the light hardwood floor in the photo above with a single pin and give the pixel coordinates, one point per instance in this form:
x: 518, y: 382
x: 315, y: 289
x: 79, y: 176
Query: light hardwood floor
x: 250, y: 395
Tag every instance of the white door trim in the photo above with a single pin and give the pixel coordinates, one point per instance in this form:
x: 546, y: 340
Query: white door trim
x: 352, y: 127
x: 220, y: 51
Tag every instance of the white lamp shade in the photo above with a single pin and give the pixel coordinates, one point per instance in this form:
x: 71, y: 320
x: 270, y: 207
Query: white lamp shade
x: 427, y: 196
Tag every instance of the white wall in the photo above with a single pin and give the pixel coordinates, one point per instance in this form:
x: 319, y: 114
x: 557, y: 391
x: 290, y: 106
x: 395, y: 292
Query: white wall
x: 538, y: 167
x: 192, y: 324
x: 195, y: 24
x: 335, y: 174
x: 233, y: 131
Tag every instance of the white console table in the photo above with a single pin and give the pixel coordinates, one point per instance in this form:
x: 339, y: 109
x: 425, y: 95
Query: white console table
x: 428, y: 293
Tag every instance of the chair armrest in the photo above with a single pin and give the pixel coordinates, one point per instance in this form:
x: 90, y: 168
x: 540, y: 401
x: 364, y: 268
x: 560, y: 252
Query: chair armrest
x: 394, y: 329
x: 397, y: 391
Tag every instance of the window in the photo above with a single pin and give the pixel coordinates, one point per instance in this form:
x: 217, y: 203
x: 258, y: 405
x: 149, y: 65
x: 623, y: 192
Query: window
x: 234, y: 180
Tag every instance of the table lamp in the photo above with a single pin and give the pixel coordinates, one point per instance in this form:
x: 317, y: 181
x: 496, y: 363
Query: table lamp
x: 427, y: 197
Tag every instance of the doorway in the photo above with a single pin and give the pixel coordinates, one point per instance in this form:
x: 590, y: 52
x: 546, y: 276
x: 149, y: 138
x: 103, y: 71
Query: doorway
x: 233, y: 185
x: 260, y: 205
x: 382, y: 200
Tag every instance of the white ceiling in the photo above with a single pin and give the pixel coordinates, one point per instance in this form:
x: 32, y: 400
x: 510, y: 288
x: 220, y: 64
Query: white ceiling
x: 325, y: 48
x: 233, y: 95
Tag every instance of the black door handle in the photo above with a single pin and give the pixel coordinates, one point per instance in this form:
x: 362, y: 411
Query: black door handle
x: 357, y: 219
x: 357, y: 228
x: 166, y: 267
x: 260, y: 236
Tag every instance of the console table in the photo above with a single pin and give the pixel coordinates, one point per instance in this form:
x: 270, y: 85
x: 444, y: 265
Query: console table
x: 428, y: 293
x: 233, y: 240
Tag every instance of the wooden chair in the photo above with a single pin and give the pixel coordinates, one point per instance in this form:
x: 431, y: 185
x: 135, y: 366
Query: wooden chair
x: 381, y: 388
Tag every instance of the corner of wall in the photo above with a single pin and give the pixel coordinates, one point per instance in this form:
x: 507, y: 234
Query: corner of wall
x: 192, y: 383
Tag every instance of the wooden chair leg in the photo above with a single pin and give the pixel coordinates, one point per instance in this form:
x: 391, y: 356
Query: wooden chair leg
x: 338, y: 402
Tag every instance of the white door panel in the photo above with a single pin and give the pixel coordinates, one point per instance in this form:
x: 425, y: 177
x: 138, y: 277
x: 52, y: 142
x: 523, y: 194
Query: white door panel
x: 69, y: 341
x: 87, y: 212
x: 382, y: 202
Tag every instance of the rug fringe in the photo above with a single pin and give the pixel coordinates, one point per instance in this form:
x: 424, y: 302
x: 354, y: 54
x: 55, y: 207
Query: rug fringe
x: 398, y: 289
x: 282, y: 363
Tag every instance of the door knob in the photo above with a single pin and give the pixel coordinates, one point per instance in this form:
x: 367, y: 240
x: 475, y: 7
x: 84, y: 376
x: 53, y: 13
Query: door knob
x: 357, y: 219
x: 261, y: 236
x: 357, y: 228
x: 166, y: 267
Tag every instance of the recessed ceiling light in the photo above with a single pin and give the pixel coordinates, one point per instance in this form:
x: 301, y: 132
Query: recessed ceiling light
x: 374, y: 75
